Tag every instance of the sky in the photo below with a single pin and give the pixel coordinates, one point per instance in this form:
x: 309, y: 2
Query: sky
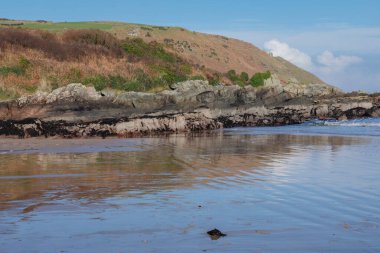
x: 338, y: 40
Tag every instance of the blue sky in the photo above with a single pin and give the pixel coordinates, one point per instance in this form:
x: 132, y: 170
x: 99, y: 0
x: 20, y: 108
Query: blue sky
x: 339, y: 40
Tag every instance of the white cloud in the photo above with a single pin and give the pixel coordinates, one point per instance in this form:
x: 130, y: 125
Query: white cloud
x: 330, y: 63
x: 326, y: 62
x: 326, y: 65
x: 352, y: 40
x: 293, y: 55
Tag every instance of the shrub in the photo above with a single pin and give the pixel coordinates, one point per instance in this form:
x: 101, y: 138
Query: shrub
x: 8, y: 94
x: 197, y: 78
x: 74, y: 76
x: 53, y: 81
x: 148, y: 51
x: 24, y: 63
x: 99, y: 82
x: 73, y: 45
x: 117, y: 82
x: 244, y: 77
x: 136, y: 47
x: 214, y: 79
x: 259, y: 78
x: 140, y: 82
x: 231, y: 74
x: 16, y: 70
x: 241, y: 79
x: 158, y: 52
x: 186, y: 69
x: 169, y: 74
x: 33, y: 40
x: 170, y: 78
x: 30, y: 89
x: 132, y: 85
x: 146, y: 28
x: 93, y: 37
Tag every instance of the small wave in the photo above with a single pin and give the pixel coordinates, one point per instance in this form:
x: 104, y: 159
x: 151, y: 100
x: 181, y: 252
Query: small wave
x: 367, y: 122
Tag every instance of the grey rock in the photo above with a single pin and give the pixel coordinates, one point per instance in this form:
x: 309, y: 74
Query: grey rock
x: 70, y: 93
x: 73, y: 92
x: 76, y: 110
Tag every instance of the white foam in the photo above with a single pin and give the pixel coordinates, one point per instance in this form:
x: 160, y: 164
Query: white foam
x: 372, y: 122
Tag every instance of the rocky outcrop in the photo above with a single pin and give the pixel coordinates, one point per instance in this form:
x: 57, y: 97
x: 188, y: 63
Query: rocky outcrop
x: 71, y: 93
x: 76, y: 110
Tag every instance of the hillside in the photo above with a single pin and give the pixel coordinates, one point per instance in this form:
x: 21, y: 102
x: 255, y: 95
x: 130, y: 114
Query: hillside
x: 60, y: 53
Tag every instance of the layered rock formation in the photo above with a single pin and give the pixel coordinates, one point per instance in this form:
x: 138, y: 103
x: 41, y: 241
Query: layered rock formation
x: 76, y: 110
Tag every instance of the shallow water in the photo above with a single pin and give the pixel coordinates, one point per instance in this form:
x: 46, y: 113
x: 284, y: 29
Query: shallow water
x: 306, y: 188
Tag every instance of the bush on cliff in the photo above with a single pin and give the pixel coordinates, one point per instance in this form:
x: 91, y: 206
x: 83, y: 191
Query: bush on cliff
x: 258, y: 79
x: 18, y: 70
x: 6, y: 94
x: 243, y: 79
x: 95, y: 38
x: 153, y: 51
x: 231, y: 74
x: 71, y: 46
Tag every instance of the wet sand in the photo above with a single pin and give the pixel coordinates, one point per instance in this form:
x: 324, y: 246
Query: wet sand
x: 268, y: 193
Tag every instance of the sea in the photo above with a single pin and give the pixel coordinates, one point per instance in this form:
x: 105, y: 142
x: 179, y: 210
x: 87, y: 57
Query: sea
x: 313, y: 187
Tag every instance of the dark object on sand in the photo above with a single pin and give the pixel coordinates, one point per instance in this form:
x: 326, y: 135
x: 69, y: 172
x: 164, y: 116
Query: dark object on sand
x: 215, y: 234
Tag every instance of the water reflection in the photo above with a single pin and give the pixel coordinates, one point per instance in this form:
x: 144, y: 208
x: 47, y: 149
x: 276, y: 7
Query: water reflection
x: 31, y: 179
x: 267, y: 192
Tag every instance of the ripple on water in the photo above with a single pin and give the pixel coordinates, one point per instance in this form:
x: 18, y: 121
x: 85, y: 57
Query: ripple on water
x: 268, y: 191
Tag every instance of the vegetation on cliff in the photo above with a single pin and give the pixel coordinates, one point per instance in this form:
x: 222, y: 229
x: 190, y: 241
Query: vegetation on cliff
x: 42, y: 55
x: 33, y: 59
x: 39, y: 60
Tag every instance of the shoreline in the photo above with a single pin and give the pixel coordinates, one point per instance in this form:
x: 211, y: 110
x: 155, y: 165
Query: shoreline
x: 76, y: 111
x: 61, y: 145
x: 68, y: 130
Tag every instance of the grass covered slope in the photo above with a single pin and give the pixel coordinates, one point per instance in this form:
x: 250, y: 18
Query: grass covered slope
x: 34, y: 59
x: 40, y: 55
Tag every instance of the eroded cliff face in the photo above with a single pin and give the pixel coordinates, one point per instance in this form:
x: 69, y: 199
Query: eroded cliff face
x: 78, y: 111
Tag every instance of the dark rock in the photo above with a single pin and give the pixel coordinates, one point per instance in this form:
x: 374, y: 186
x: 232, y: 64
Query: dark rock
x: 215, y: 234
